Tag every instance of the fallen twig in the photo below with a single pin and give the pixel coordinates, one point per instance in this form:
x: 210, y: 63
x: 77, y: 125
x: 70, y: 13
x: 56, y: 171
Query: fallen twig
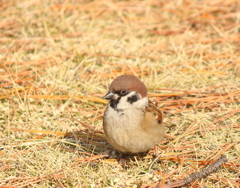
x: 201, y: 174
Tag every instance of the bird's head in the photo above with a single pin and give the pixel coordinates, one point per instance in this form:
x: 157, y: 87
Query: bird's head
x: 127, y: 91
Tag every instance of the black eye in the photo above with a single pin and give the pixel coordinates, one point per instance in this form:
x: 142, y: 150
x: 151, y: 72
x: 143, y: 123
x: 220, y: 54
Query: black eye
x: 124, y: 91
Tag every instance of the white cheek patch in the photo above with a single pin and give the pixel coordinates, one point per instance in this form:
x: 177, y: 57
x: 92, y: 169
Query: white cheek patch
x: 142, y: 103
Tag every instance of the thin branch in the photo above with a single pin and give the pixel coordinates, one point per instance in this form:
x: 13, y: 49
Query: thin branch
x: 199, y: 175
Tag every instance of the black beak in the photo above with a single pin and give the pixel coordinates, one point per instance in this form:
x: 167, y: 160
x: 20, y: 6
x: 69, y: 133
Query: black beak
x: 110, y: 96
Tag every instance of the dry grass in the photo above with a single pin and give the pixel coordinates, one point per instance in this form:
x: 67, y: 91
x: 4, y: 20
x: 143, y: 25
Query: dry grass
x: 58, y: 57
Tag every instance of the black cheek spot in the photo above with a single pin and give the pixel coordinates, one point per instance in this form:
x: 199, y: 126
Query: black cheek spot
x: 133, y: 99
x: 114, y: 103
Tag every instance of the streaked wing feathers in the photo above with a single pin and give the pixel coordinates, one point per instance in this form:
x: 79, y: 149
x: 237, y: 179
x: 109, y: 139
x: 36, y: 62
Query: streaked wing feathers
x: 152, y: 108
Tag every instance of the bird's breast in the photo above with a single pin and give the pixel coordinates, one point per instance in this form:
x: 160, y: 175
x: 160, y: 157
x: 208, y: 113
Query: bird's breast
x: 124, y: 131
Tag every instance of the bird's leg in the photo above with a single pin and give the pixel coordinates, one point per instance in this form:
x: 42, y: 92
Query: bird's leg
x: 123, y: 160
x: 156, y: 152
x: 111, y: 154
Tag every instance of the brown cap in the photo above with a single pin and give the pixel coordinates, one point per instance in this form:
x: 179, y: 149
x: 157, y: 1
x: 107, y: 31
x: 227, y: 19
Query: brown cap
x: 130, y: 83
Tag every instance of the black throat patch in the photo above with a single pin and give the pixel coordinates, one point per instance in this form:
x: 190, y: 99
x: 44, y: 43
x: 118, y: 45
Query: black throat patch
x: 114, y: 103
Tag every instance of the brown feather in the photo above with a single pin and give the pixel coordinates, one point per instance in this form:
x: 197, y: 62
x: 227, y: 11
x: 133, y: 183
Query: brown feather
x: 152, y: 108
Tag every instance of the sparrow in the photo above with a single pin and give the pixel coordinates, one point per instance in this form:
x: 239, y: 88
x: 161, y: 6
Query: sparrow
x: 131, y: 122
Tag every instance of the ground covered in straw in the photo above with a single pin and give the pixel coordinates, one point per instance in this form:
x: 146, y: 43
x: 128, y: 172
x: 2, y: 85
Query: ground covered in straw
x: 57, y: 59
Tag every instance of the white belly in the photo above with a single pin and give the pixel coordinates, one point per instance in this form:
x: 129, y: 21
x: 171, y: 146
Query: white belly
x: 123, y: 131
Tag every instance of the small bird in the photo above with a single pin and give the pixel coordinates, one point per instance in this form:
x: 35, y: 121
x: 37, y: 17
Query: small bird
x: 131, y: 122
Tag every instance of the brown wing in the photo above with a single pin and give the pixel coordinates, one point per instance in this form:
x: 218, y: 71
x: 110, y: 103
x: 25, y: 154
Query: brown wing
x: 152, y: 108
